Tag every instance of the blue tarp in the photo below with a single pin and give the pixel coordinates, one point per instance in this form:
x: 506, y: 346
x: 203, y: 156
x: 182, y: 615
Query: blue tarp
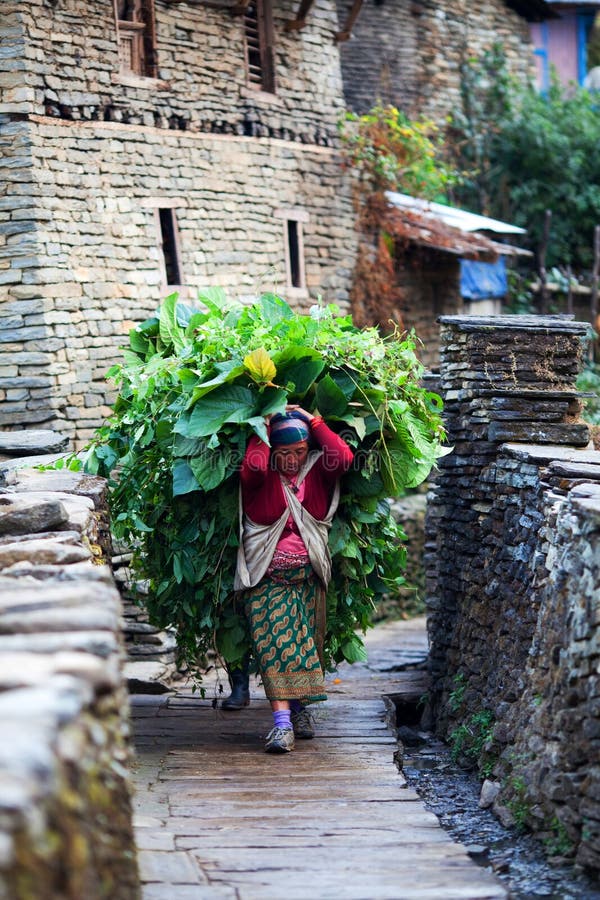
x: 479, y: 280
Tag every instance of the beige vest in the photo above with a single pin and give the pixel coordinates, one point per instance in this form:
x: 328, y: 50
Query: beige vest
x: 258, y: 542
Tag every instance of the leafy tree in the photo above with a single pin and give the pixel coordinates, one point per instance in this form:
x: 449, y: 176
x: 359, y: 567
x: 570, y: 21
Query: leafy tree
x: 527, y: 152
x: 391, y: 152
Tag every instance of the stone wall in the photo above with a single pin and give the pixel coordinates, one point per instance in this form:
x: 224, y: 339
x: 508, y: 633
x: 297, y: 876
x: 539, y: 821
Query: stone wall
x: 92, y: 156
x: 430, y: 285
x: 381, y: 62
x: 513, y: 575
x: 65, y: 807
x: 409, y: 53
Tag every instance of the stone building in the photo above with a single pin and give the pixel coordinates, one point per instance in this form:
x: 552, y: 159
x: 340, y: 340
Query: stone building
x: 409, y: 54
x: 147, y: 147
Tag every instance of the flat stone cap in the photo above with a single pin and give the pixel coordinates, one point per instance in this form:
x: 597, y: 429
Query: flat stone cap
x: 517, y: 323
x: 551, y: 453
x: 32, y: 442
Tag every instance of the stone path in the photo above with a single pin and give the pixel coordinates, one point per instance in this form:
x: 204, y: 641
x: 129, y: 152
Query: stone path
x: 218, y: 819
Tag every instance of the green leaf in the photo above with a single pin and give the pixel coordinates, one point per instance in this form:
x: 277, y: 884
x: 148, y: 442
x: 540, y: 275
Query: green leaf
x: 149, y: 327
x: 170, y: 330
x: 418, y: 474
x: 185, y: 313
x: 399, y: 469
x: 421, y: 438
x: 184, y: 480
x: 215, y: 299
x: 139, y: 525
x: 177, y: 569
x: 230, y: 403
x: 209, y: 469
x: 132, y: 360
x: 195, y: 322
x: 274, y: 309
x: 258, y: 425
x: 338, y: 536
x: 345, y: 382
x: 331, y: 400
x: 300, y: 366
x: 362, y: 484
x: 138, y: 342
x: 354, y: 650
x: 184, y: 446
x: 358, y: 423
x: 273, y: 401
x: 188, y: 378
x: 227, y: 372
x: 231, y: 637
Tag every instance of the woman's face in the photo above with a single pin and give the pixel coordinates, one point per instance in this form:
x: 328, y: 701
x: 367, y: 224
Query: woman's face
x: 288, y: 458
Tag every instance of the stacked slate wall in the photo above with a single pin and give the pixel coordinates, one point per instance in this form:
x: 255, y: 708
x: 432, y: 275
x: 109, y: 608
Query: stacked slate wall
x: 65, y: 806
x: 410, y: 53
x: 92, y: 154
x: 513, y: 550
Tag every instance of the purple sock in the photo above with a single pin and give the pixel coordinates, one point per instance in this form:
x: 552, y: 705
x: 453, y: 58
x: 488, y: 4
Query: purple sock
x: 282, y: 718
x: 295, y: 706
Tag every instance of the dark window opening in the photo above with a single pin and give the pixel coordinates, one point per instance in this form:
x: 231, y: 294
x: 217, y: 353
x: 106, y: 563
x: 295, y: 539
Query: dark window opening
x: 137, y: 37
x: 170, y: 245
x: 295, y: 254
x: 258, y: 30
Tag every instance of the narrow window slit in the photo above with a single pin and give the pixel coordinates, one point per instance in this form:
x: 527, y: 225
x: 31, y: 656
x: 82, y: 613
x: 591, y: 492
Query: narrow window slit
x: 170, y: 246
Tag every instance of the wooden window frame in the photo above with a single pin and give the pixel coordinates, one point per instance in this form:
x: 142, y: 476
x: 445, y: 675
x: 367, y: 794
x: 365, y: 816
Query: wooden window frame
x: 293, y: 240
x: 169, y: 245
x: 260, y: 73
x: 136, y: 39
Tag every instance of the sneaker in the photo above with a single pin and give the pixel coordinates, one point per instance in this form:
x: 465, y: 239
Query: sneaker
x: 302, y: 722
x: 280, y: 740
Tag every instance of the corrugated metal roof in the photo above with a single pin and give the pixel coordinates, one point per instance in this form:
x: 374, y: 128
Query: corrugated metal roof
x: 450, y: 215
x: 410, y: 226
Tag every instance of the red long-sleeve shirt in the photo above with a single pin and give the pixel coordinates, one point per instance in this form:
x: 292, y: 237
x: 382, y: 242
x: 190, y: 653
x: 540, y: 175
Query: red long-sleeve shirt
x: 262, y: 493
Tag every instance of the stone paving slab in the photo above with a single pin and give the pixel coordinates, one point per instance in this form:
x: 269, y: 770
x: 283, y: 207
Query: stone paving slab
x: 218, y: 819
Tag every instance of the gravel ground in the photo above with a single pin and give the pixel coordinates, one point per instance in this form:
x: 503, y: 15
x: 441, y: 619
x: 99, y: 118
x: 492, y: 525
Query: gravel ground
x: 518, y: 860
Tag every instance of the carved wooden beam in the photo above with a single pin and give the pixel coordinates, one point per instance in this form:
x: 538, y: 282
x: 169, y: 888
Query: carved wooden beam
x: 346, y: 33
x: 300, y: 21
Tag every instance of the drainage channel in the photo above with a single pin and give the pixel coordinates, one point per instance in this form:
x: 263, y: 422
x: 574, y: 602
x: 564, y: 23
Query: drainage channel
x: 453, y: 795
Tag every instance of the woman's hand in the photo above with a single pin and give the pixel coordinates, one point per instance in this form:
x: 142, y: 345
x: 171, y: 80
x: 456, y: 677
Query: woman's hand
x: 298, y: 411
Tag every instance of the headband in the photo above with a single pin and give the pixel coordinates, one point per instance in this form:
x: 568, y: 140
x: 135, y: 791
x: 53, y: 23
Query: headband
x: 286, y: 428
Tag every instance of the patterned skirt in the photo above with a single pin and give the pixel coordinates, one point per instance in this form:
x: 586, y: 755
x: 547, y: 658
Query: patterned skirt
x: 286, y: 611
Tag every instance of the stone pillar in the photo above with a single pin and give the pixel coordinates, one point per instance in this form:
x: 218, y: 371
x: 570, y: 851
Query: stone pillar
x: 503, y: 378
x: 66, y: 827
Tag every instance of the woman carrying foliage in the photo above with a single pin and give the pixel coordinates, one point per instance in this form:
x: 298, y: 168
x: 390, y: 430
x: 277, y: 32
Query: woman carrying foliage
x: 289, y: 495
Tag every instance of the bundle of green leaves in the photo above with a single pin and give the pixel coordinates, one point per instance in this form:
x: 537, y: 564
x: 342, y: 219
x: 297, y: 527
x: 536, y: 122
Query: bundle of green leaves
x: 194, y: 385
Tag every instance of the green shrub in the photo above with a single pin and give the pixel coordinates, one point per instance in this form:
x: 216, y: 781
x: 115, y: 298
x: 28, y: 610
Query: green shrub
x: 470, y: 737
x: 589, y: 382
